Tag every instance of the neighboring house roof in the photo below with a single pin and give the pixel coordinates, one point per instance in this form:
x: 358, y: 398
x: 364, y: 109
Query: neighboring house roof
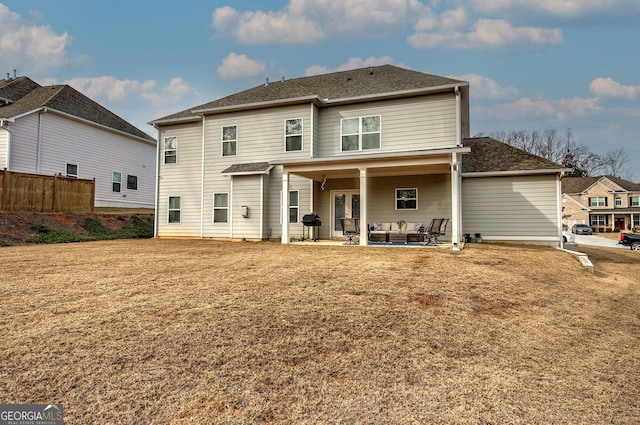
x: 66, y: 99
x: 364, y: 82
x: 583, y: 184
x: 16, y: 88
x: 489, y: 155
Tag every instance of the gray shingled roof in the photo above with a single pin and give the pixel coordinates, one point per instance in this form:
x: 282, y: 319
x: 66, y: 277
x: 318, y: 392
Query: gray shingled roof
x: 64, y: 98
x: 491, y: 155
x: 16, y: 88
x: 254, y: 167
x: 581, y: 184
x: 363, y: 82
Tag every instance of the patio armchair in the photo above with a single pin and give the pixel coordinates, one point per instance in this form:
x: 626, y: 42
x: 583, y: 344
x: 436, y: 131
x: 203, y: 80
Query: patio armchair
x: 436, y: 228
x: 350, y: 228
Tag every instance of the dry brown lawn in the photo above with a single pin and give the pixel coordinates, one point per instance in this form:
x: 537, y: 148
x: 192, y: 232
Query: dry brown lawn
x: 191, y: 332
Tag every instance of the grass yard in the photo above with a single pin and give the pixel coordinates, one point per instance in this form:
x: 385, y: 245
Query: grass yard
x: 190, y: 332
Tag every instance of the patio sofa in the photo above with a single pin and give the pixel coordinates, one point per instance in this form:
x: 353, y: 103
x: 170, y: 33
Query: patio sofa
x: 390, y: 231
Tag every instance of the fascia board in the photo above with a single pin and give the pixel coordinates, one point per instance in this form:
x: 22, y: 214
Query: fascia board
x: 516, y: 172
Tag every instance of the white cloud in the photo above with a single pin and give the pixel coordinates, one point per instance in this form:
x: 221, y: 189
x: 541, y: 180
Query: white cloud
x: 310, y: 21
x: 109, y: 87
x: 487, y: 33
x: 353, y: 63
x: 611, y: 88
x: 113, y: 89
x: 485, y: 88
x: 30, y: 46
x: 240, y: 66
x: 555, y: 8
x: 527, y: 108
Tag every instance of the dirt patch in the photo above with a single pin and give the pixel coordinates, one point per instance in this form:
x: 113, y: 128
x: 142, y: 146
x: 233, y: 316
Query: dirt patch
x: 18, y: 227
x: 195, y: 331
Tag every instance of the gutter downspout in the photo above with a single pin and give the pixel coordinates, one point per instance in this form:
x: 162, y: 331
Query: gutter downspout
x: 39, y: 142
x: 4, y: 124
x: 204, y: 121
x: 456, y: 180
x: 157, y: 194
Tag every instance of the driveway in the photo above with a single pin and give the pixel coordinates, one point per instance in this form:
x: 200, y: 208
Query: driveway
x: 598, y: 241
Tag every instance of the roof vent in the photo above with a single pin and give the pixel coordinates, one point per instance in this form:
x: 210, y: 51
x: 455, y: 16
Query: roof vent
x: 282, y: 79
x: 371, y: 71
x: 266, y: 81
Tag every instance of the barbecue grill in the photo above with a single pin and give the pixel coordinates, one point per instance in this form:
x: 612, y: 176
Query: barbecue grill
x: 309, y: 221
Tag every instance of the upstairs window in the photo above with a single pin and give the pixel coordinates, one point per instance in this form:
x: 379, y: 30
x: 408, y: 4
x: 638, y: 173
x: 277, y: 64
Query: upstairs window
x: 170, y: 150
x: 407, y: 199
x: 132, y: 182
x: 293, y: 135
x: 359, y: 134
x: 229, y: 140
x: 598, y: 201
x: 618, y: 202
x: 116, y: 182
x: 72, y: 171
x: 634, y: 201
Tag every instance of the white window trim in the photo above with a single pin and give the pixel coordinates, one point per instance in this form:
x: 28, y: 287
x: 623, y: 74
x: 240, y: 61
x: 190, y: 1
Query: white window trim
x: 598, y: 198
x: 396, y: 199
x: 598, y: 216
x: 214, y: 208
x: 169, y: 209
x: 635, y: 203
x: 361, y: 133
x: 290, y: 207
x: 289, y: 135
x: 618, y: 201
x: 229, y: 141
x: 113, y: 181
x: 165, y: 150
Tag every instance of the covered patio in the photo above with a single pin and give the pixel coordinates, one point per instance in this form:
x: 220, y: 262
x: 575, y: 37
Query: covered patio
x: 365, y: 181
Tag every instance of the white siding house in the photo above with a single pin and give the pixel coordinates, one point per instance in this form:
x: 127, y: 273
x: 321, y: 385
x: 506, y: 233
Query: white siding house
x: 347, y: 144
x: 57, y: 130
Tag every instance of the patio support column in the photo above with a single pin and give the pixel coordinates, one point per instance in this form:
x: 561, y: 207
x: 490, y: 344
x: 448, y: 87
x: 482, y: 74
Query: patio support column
x: 364, y: 231
x: 456, y: 201
x: 285, y: 207
x: 631, y: 222
x: 613, y: 222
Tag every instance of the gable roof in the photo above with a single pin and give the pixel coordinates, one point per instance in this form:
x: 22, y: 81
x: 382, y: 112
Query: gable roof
x: 582, y: 184
x: 489, y: 155
x: 13, y: 90
x: 368, y: 82
x: 65, y: 99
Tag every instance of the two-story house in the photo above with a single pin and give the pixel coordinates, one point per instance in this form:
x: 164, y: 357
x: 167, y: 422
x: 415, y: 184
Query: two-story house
x: 380, y: 144
x: 56, y: 130
x: 603, y: 202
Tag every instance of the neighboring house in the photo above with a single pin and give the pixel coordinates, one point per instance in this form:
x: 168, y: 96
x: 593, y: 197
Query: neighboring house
x: 380, y: 144
x: 603, y: 202
x: 54, y: 130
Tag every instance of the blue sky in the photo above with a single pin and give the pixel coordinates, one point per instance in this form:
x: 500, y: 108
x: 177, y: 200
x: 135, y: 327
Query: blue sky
x: 531, y: 65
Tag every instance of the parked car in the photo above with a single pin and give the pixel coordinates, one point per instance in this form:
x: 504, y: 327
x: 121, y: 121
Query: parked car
x: 582, y: 229
x: 630, y: 239
x: 568, y: 237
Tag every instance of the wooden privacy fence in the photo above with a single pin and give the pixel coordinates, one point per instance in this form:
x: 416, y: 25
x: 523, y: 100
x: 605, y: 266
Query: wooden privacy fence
x: 38, y: 193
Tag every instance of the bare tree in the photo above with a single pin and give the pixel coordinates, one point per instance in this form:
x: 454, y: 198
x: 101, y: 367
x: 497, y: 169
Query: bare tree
x: 614, y: 162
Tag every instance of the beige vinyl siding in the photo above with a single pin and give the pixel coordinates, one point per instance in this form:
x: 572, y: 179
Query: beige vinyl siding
x: 511, y: 207
x: 181, y: 179
x: 246, y: 191
x: 24, y: 144
x: 260, y: 136
x: 418, y: 123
